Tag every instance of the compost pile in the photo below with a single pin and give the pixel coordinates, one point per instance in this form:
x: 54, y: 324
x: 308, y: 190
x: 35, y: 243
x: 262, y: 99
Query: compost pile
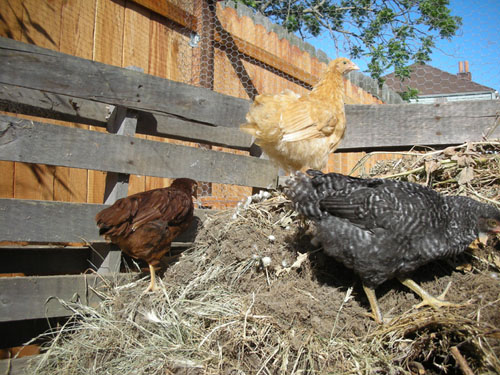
x: 254, y: 296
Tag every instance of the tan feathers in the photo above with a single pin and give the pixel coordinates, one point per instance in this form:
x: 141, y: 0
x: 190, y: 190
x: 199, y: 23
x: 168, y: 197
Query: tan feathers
x: 299, y: 132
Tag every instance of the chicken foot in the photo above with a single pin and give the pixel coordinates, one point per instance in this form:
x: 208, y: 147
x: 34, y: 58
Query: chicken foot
x: 372, y: 299
x: 428, y: 299
x: 152, y: 284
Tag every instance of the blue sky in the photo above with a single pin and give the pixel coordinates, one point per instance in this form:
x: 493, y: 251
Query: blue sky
x: 478, y: 41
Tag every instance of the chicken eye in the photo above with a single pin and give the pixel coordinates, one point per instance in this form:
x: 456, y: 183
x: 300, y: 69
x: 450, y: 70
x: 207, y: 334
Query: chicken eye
x: 492, y: 223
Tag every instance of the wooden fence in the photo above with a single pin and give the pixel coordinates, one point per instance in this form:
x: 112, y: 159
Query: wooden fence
x: 126, y: 102
x: 234, y: 55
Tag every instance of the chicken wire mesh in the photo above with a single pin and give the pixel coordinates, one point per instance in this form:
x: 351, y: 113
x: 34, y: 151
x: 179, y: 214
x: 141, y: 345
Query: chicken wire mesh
x: 218, y: 54
x: 229, y: 50
x: 225, y: 49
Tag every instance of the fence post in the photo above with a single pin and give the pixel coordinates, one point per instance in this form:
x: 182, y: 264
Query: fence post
x: 123, y: 121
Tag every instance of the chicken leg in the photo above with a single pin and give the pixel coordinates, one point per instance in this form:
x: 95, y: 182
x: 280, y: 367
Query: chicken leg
x: 372, y: 298
x: 427, y: 299
x: 152, y: 284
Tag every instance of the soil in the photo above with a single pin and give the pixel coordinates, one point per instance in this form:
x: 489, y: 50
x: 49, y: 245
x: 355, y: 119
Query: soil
x: 316, y: 298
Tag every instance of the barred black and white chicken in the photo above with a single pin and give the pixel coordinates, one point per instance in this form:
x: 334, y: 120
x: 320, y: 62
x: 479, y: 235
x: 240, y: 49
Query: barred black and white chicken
x: 384, y: 229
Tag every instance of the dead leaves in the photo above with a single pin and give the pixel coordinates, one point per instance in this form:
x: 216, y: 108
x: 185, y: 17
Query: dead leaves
x: 456, y: 170
x: 465, y: 176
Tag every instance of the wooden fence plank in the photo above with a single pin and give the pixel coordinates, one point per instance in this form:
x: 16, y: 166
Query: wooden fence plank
x: 61, y: 107
x: 53, y: 222
x: 171, y: 11
x: 33, y: 297
x: 42, y: 23
x: 16, y: 366
x: 404, y: 125
x: 32, y: 181
x: 11, y: 21
x: 7, y: 180
x: 121, y: 154
x: 27, y: 101
x: 367, y: 126
x: 30, y: 66
x: 108, y: 32
x: 77, y: 27
x: 177, y: 128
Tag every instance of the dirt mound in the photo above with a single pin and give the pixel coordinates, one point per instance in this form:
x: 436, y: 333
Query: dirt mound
x: 254, y: 296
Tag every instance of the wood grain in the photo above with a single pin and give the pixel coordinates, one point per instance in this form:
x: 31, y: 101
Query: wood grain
x: 404, y: 125
x: 121, y: 154
x: 29, y: 66
x: 44, y: 292
x: 77, y: 31
x: 7, y: 179
x: 169, y: 10
x: 40, y: 26
x: 62, y: 107
x: 17, y: 366
x: 61, y: 222
x: 11, y: 21
x: 136, y: 40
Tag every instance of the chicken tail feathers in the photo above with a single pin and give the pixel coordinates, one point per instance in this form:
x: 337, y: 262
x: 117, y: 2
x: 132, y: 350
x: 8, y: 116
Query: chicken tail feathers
x: 302, y: 193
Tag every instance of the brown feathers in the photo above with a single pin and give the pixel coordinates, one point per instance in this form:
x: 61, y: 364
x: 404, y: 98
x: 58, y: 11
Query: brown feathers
x: 300, y: 131
x: 143, y: 225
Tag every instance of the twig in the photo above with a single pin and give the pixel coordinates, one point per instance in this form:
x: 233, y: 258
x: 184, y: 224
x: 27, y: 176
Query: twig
x: 483, y: 197
x: 363, y: 160
x: 461, y: 361
x: 246, y: 316
x: 347, y: 297
x: 215, y: 329
x: 447, y: 163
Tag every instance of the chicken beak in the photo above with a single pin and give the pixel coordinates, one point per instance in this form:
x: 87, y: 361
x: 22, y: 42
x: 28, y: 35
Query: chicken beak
x: 483, y: 238
x: 353, y: 67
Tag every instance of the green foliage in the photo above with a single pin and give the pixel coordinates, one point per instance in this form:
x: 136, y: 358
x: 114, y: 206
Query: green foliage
x: 409, y: 94
x: 390, y: 33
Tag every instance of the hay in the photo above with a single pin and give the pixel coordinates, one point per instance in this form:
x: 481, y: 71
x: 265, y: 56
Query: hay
x: 471, y: 169
x: 253, y: 296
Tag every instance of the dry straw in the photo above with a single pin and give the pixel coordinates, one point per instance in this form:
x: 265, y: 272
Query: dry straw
x: 253, y: 296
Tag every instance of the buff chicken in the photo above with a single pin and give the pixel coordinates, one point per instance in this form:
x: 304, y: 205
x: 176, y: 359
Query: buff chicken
x: 300, y: 132
x: 144, y: 225
x: 384, y: 229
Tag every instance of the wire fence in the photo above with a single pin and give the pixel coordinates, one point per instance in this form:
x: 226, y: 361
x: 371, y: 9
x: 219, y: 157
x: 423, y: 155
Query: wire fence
x: 224, y: 48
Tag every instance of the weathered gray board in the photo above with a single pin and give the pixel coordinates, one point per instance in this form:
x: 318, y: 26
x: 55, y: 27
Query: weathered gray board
x: 36, y: 142
x: 17, y: 366
x: 24, y: 298
x: 368, y: 126
x: 53, y: 72
x: 61, y: 107
x: 375, y: 126
x: 53, y: 222
x: 400, y: 125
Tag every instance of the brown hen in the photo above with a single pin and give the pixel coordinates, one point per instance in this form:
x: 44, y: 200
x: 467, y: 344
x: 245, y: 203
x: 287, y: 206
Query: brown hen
x: 144, y: 225
x: 301, y: 131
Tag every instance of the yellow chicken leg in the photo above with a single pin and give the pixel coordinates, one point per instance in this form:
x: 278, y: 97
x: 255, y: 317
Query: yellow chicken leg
x: 372, y: 298
x: 152, y: 284
x: 428, y: 299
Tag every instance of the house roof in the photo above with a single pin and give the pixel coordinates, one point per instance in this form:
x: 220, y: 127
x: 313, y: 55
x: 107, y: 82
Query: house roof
x: 433, y: 81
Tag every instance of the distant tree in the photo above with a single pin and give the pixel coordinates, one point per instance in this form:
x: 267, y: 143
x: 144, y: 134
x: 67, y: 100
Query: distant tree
x: 391, y: 33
